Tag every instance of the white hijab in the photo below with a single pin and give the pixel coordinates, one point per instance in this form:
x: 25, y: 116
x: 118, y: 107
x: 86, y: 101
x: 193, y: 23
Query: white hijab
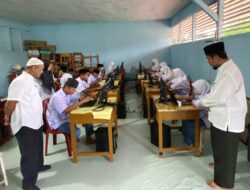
x: 202, y: 86
x: 162, y: 64
x: 165, y: 73
x: 178, y: 73
x: 155, y: 65
x: 111, y: 67
x: 179, y: 80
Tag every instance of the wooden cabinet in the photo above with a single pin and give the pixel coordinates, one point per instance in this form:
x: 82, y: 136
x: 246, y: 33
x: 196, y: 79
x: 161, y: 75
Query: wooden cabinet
x: 77, y: 60
x: 91, y: 61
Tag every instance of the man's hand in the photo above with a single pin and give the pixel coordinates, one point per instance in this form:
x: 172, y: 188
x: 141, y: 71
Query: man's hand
x: 6, y: 121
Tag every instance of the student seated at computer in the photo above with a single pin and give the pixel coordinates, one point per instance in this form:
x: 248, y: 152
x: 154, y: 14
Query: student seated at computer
x: 200, y: 88
x: 164, y: 72
x: 178, y: 82
x: 63, y: 102
x: 101, y: 70
x: 111, y: 68
x: 64, y: 75
x: 83, y: 87
x: 155, y: 65
x: 93, y: 78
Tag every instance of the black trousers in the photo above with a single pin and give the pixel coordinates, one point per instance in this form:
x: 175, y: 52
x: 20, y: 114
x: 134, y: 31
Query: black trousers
x: 225, y: 149
x: 30, y: 143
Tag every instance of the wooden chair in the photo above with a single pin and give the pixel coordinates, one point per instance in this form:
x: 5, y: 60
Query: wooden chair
x: 54, y: 132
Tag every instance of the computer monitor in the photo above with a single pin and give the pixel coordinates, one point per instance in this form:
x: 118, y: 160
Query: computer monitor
x: 150, y: 80
x: 140, y: 68
x: 145, y: 74
x: 164, y: 92
x: 172, y: 97
x: 113, y: 76
x: 104, y: 92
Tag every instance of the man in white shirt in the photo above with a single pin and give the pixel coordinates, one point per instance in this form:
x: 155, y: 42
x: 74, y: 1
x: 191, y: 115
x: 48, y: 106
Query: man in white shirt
x: 23, y: 111
x: 227, y: 110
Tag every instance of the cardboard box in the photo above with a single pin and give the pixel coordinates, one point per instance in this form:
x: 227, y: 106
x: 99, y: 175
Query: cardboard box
x: 51, y: 48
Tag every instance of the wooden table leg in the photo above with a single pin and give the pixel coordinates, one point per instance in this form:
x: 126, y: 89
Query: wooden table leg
x: 160, y: 136
x: 73, y: 142
x: 110, y: 137
x: 148, y: 107
x: 197, y: 151
x: 116, y: 122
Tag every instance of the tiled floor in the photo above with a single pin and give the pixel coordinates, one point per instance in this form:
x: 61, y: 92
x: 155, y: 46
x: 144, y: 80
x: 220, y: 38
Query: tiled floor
x: 136, y: 164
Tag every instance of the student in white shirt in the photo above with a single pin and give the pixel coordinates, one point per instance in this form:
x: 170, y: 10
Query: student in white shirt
x: 101, y: 70
x: 23, y: 111
x: 83, y: 86
x: 64, y: 75
x: 61, y: 104
x: 82, y: 90
x: 227, y: 110
x: 93, y: 78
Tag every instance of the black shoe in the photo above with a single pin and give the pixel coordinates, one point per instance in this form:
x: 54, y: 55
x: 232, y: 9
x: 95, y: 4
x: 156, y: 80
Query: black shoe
x: 33, y: 187
x: 44, y: 168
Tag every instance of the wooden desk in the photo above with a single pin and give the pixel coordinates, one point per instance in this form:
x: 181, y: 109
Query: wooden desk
x: 143, y: 85
x: 140, y: 77
x: 172, y: 112
x: 85, y: 116
x: 149, y: 92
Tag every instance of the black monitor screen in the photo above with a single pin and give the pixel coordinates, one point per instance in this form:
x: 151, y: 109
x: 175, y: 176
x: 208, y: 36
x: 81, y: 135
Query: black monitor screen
x: 150, y: 80
x: 164, y: 92
x: 104, y: 91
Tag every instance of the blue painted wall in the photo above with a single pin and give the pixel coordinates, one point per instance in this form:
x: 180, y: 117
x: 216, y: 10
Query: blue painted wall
x: 190, y: 56
x: 9, y: 57
x: 113, y: 41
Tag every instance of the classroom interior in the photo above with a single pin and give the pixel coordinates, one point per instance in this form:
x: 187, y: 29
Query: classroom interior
x: 131, y: 32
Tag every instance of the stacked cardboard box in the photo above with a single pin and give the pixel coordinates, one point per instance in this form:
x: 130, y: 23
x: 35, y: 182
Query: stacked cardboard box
x: 34, y: 44
x: 38, y: 45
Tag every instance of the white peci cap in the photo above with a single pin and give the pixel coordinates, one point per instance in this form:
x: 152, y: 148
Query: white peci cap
x: 34, y: 61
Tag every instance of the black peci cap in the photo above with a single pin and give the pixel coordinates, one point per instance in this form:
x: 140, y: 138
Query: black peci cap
x: 214, y: 48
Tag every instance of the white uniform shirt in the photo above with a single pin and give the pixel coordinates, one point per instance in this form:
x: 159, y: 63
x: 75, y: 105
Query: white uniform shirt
x: 227, y: 99
x: 29, y: 110
x: 91, y: 79
x: 64, y: 78
x: 82, y: 85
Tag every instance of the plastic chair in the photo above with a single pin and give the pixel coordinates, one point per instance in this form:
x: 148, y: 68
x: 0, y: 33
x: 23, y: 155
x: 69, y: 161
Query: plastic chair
x: 54, y: 132
x: 4, y: 180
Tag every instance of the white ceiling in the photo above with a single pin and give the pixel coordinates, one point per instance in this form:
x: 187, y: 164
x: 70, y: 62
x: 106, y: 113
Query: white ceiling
x: 61, y: 11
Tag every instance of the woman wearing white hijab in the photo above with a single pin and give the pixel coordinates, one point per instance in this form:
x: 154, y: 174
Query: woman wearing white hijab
x: 162, y: 64
x: 179, y: 82
x: 200, y: 88
x: 155, y: 65
x: 111, y: 67
x: 165, y: 73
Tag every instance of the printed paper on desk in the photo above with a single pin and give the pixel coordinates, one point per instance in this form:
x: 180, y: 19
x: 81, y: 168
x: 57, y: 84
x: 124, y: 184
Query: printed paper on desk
x: 140, y: 76
x: 116, y: 82
x: 102, y: 114
x: 102, y: 82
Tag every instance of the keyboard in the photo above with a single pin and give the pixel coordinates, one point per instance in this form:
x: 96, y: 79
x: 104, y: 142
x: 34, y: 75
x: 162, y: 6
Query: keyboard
x: 89, y: 103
